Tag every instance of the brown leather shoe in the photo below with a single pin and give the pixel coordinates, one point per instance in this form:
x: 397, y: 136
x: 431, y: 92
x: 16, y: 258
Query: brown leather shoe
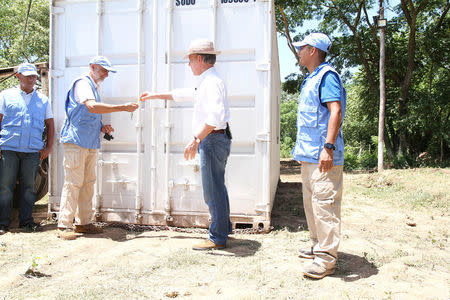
x: 88, y: 228
x: 317, y: 271
x: 66, y: 234
x: 208, y: 245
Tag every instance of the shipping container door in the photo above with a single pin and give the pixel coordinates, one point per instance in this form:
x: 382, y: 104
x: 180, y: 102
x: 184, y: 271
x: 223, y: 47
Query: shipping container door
x: 237, y: 28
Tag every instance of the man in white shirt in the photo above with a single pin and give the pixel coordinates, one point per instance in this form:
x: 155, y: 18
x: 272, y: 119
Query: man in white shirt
x: 211, y: 136
x: 24, y: 113
x: 80, y: 136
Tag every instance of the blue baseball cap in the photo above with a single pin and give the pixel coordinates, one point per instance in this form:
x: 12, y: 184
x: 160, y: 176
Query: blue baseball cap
x: 27, y: 69
x: 318, y: 40
x: 102, y: 61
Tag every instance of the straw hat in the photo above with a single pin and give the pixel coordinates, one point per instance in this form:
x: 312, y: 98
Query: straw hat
x: 201, y: 46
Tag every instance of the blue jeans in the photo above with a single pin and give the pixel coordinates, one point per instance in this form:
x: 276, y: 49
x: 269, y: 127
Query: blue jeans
x: 214, y: 151
x: 24, y: 165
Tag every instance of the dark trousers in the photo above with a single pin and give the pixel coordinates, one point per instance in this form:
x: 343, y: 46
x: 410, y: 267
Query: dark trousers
x: 24, y: 165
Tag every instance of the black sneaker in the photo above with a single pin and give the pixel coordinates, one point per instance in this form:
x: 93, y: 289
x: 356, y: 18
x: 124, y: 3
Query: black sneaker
x: 3, y: 229
x: 31, y: 227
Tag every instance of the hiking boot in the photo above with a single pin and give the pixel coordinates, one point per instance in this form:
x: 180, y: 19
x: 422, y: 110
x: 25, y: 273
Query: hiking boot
x: 3, y: 229
x: 316, y: 271
x: 66, y: 234
x: 208, y: 245
x: 88, y: 228
x: 31, y: 227
x: 306, y: 253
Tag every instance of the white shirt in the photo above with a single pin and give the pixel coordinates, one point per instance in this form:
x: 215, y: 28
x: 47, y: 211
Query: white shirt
x: 210, y: 101
x: 83, y: 91
x: 27, y: 98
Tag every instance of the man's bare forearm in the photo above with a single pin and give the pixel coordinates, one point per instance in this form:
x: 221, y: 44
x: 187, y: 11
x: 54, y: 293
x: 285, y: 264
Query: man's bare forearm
x: 334, y: 122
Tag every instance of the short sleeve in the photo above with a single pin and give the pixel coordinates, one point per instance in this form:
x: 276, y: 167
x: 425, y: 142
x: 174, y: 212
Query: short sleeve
x: 2, y: 104
x: 48, y: 112
x: 330, y: 88
x: 183, y: 95
x: 83, y: 91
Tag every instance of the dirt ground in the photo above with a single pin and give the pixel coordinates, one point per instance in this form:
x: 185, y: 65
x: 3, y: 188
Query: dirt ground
x: 395, y: 246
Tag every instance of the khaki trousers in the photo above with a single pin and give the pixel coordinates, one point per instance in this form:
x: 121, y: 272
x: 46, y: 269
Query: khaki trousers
x: 322, y: 195
x: 76, y: 198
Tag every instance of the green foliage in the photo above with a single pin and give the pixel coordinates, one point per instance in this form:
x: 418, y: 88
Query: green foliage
x: 292, y: 83
x: 288, y: 120
x: 417, y: 118
x: 13, y: 15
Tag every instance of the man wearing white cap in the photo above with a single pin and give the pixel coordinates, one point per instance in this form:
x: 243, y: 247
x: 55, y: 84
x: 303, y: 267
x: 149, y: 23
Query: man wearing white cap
x: 24, y: 113
x: 80, y: 136
x: 320, y: 150
x: 210, y: 136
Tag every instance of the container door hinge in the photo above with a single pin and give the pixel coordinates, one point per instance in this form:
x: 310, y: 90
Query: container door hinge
x: 263, y: 137
x: 56, y: 73
x: 56, y: 10
x: 262, y: 208
x: 263, y: 67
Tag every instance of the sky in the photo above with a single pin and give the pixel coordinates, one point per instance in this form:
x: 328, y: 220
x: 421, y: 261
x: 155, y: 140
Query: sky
x: 286, y: 57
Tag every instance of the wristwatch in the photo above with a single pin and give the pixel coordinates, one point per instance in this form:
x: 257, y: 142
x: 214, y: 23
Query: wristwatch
x: 330, y: 146
x: 197, y: 140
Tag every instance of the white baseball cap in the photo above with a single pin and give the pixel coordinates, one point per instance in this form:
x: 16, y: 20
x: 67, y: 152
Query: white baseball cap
x: 102, y: 61
x: 27, y: 69
x: 318, y: 40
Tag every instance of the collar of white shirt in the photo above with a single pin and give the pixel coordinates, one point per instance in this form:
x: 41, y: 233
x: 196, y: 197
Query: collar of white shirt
x: 202, y: 76
x: 97, y: 86
x: 22, y: 92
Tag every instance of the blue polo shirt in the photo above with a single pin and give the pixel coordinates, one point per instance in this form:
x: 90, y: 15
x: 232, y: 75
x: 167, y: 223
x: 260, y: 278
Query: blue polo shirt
x: 330, y: 88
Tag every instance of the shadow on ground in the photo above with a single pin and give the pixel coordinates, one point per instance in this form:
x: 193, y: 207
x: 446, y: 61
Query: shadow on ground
x: 238, y: 248
x: 351, y: 267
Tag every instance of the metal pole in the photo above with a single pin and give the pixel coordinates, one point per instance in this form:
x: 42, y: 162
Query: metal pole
x: 382, y: 93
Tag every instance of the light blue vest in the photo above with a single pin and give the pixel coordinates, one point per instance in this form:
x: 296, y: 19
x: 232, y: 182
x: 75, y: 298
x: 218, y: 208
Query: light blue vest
x: 81, y: 127
x: 312, y: 120
x: 22, y: 125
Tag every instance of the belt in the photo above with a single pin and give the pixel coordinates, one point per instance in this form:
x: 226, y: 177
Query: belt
x: 220, y: 131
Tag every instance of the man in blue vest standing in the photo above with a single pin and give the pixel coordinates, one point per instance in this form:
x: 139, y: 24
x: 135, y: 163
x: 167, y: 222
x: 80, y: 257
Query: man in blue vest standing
x: 80, y: 136
x: 23, y: 114
x: 320, y: 150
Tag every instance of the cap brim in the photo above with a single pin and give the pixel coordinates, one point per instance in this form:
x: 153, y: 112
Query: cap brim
x: 29, y: 73
x: 110, y: 69
x: 298, y: 45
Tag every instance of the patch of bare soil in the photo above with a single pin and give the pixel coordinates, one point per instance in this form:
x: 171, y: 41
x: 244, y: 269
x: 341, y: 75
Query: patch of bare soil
x: 382, y: 256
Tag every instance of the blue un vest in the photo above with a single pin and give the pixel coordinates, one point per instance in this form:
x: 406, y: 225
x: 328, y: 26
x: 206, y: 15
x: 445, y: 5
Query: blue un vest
x: 312, y: 120
x: 81, y: 127
x: 22, y: 124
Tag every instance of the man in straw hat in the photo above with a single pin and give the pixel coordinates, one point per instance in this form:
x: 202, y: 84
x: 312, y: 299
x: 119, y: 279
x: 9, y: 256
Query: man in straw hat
x: 320, y: 149
x: 80, y: 136
x: 210, y: 136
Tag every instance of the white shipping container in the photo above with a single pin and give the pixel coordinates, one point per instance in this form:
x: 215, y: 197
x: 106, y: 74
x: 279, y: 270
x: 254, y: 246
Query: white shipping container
x: 142, y: 176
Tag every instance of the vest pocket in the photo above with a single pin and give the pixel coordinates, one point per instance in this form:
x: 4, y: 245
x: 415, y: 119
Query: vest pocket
x: 10, y: 139
x: 308, y: 145
x: 308, y: 115
x: 36, y: 141
x: 89, y: 121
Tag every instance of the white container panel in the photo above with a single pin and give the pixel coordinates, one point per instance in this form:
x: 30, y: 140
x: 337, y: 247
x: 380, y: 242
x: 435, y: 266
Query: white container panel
x: 80, y: 34
x: 243, y: 189
x: 236, y: 24
x: 171, y: 191
x: 118, y: 28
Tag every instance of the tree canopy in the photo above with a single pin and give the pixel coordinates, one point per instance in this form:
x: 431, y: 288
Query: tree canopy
x: 417, y: 67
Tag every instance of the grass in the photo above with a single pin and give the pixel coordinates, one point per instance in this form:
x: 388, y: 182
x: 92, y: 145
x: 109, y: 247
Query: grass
x: 381, y: 256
